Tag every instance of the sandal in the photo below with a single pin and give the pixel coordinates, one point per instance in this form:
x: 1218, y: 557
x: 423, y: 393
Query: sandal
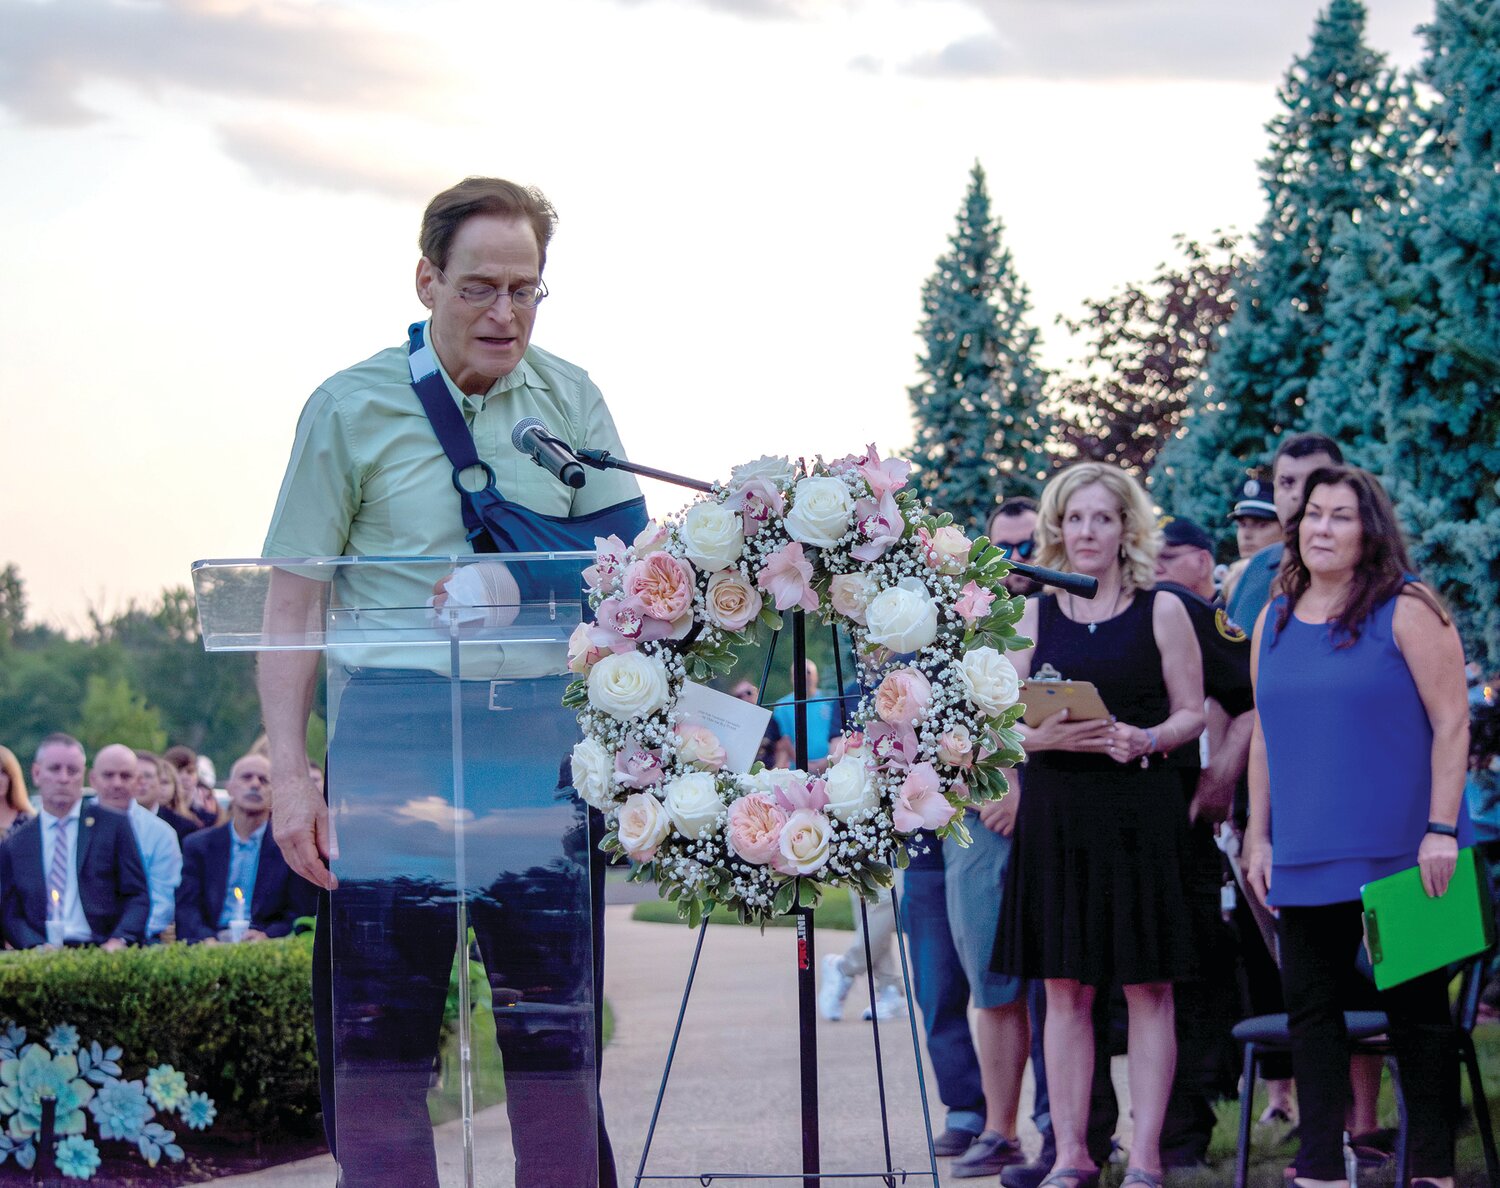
x: 1139, y: 1175
x: 1079, y: 1179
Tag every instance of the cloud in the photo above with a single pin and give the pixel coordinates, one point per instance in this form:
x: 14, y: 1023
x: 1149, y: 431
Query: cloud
x: 280, y: 155
x: 54, y: 50
x: 1138, y: 39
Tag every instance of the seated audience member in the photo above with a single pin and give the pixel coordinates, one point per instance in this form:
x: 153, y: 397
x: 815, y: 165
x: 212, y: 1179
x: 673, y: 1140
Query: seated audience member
x: 240, y: 855
x: 156, y: 792
x: 77, y: 865
x: 15, y: 804
x: 113, y: 778
x: 194, y: 799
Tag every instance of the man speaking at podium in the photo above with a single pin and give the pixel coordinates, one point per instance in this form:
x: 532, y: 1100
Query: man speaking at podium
x: 369, y: 477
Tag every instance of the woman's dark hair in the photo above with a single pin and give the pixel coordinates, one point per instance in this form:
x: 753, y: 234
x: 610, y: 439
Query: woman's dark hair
x: 1384, y: 568
x: 1484, y: 734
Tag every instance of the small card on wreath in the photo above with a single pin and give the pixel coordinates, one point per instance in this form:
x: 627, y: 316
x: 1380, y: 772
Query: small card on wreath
x: 739, y: 725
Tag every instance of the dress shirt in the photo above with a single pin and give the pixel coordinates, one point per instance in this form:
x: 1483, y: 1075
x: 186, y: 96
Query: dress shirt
x: 244, y: 865
x: 161, y: 854
x: 75, y: 924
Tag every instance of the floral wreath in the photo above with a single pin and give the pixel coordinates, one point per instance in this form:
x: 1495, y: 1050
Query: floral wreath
x: 930, y: 623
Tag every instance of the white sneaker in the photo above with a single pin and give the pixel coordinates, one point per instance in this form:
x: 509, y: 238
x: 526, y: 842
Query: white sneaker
x: 890, y: 1003
x: 835, y: 989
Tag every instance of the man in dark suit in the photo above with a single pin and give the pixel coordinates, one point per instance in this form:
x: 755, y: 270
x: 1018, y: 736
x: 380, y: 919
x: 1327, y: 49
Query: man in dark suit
x: 240, y: 856
x: 76, y: 868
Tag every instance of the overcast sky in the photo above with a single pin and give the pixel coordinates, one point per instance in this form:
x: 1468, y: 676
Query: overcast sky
x: 213, y: 205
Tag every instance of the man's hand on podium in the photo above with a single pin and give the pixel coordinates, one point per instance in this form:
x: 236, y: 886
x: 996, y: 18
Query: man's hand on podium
x: 299, y: 821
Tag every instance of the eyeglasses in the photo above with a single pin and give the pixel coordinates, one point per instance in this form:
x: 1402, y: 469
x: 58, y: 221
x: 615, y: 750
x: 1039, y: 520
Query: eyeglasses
x: 484, y: 296
x: 1020, y: 550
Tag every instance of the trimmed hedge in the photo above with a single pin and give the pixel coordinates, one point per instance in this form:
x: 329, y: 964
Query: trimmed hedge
x: 236, y: 1019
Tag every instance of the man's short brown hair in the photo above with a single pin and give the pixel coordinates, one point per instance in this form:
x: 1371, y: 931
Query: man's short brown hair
x: 446, y: 213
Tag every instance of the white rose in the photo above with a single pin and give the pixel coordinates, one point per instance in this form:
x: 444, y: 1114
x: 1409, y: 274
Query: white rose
x: 776, y: 471
x: 902, y: 618
x: 804, y: 842
x: 628, y: 685
x: 642, y: 826
x: 821, y: 511
x: 949, y: 550
x: 594, y: 773
x: 850, y: 594
x: 764, y: 780
x: 693, y: 803
x: 990, y: 681
x: 712, y: 536
x: 850, y: 785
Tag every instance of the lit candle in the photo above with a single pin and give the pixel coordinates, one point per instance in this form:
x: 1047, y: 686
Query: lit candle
x: 239, y: 904
x: 56, y: 904
x: 55, y: 926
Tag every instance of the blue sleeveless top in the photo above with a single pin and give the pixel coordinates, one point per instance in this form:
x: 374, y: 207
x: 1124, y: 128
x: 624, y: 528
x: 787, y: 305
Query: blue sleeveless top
x: 1349, y: 748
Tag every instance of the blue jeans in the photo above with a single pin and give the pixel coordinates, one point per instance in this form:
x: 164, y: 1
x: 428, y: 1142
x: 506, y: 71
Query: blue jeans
x: 943, y: 996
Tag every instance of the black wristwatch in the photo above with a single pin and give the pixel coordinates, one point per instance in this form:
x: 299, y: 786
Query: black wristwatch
x: 1442, y: 830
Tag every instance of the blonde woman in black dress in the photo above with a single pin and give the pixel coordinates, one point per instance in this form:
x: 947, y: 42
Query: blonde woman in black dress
x: 1094, y: 896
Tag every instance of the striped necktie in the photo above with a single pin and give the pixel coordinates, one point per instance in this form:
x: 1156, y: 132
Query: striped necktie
x: 57, y: 877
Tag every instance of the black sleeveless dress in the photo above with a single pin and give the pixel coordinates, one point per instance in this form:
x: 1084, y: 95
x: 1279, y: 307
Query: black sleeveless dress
x: 1094, y: 888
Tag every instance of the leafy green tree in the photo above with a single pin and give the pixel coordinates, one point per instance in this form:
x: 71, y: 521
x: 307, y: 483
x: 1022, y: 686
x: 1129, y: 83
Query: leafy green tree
x: 1146, y: 348
x: 12, y: 602
x: 1340, y: 149
x: 981, y: 428
x: 1414, y: 374
x: 112, y: 712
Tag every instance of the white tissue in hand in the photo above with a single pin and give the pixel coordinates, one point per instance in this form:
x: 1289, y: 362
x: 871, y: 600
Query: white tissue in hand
x: 484, y: 593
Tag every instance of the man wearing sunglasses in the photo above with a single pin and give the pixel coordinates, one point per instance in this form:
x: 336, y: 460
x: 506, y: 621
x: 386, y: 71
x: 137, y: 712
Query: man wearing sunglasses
x: 1012, y: 530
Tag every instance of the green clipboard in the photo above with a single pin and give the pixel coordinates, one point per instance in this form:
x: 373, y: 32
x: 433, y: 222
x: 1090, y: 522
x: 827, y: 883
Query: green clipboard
x: 1408, y: 933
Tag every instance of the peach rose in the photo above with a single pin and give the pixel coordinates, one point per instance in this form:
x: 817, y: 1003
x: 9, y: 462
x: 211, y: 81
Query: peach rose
x: 700, y: 747
x: 732, y: 603
x: 804, y: 843
x: 582, y: 653
x: 946, y: 550
x: 755, y: 824
x: 850, y: 594
x: 903, y: 697
x: 643, y: 825
x: 663, y: 583
x: 956, y: 747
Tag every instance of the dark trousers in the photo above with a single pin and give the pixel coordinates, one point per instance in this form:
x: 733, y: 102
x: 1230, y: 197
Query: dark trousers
x: 1205, y: 1005
x: 385, y: 944
x: 942, y: 993
x: 1319, y: 947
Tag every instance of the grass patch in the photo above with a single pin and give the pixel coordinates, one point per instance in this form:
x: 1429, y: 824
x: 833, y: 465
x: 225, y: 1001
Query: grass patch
x: 834, y: 911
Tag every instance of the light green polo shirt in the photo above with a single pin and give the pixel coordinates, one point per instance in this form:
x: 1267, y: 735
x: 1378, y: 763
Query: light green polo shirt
x: 367, y: 476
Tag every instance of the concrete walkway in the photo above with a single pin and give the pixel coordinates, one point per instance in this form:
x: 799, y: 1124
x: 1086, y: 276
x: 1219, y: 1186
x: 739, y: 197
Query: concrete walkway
x: 733, y: 1101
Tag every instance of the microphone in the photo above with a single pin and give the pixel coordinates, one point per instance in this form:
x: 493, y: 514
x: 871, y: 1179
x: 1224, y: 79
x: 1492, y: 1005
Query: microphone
x: 1074, y: 583
x: 533, y: 438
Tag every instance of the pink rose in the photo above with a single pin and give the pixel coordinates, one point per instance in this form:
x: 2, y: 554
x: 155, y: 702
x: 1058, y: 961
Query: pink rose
x: 757, y: 501
x: 883, y: 477
x: 850, y: 594
x: 636, y: 767
x: 650, y: 539
x: 892, y: 744
x: 663, y: 583
x: 583, y: 652
x: 956, y: 747
x: 804, y: 843
x: 879, y: 525
x: 921, y: 804
x: 755, y: 824
x: 903, y: 697
x: 642, y: 825
x: 700, y: 746
x: 946, y: 550
x: 609, y: 562
x: 731, y: 601
x: 787, y: 577
x: 974, y: 602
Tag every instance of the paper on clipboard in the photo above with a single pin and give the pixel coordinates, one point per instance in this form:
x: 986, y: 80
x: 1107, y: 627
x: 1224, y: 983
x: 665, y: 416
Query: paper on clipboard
x: 738, y: 725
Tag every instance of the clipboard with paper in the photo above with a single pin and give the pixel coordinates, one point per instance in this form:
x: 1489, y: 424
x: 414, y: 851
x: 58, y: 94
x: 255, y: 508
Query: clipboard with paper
x: 1408, y: 933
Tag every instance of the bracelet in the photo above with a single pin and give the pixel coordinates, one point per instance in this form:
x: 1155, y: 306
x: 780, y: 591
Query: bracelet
x: 1442, y: 830
x: 1151, y: 738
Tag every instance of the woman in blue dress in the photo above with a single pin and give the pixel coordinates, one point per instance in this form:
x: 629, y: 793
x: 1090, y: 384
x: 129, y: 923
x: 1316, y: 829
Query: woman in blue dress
x: 1356, y: 772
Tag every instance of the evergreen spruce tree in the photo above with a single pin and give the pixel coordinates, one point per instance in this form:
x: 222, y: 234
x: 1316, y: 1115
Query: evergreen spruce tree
x: 981, y: 432
x: 1337, y: 151
x: 1417, y: 365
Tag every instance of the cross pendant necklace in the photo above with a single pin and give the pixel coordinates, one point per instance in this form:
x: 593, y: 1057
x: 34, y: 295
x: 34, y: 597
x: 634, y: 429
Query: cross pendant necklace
x: 1094, y: 625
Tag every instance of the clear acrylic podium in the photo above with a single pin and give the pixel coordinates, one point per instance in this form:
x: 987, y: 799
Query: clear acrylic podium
x: 458, y: 839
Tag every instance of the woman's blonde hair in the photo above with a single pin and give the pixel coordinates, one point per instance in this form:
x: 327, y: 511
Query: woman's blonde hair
x: 16, y: 793
x: 1140, y: 538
